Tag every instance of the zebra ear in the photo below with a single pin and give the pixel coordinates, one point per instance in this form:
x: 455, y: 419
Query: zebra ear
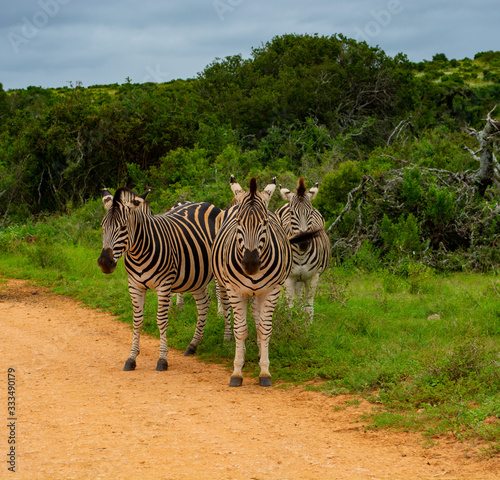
x: 145, y: 194
x: 313, y: 191
x: 236, y: 188
x: 268, y: 191
x: 107, y: 198
x: 285, y: 193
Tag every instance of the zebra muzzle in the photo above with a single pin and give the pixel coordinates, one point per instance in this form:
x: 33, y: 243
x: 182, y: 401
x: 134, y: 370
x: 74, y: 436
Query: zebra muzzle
x: 251, y: 262
x: 106, y: 261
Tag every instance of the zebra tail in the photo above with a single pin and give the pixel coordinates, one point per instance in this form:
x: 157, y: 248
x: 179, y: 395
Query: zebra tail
x: 305, y: 236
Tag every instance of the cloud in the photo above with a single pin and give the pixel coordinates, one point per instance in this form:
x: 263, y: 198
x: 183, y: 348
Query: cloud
x: 51, y: 42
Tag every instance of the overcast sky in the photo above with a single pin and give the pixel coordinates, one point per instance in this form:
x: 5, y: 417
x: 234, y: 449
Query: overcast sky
x: 50, y: 43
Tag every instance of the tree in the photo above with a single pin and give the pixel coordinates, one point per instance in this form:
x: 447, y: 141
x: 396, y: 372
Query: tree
x: 489, y: 169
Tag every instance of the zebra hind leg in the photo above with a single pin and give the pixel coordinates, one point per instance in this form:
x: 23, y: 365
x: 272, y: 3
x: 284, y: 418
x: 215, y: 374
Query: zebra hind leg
x: 202, y: 299
x: 164, y: 299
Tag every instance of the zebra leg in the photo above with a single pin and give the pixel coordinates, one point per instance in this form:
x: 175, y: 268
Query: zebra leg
x: 256, y: 305
x: 164, y: 299
x: 220, y: 307
x: 239, y: 305
x: 264, y: 331
x: 180, y: 301
x: 138, y: 296
x: 202, y: 299
x: 223, y: 298
x: 299, y: 290
x: 290, y: 290
x: 309, y: 294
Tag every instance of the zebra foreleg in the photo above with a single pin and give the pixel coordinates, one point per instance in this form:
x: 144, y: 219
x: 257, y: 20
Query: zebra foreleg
x: 264, y: 331
x: 239, y: 305
x: 256, y: 306
x: 180, y: 301
x: 202, y: 303
x: 138, y: 296
x: 164, y: 300
x: 290, y: 285
x: 310, y: 290
x: 220, y: 306
x: 299, y: 290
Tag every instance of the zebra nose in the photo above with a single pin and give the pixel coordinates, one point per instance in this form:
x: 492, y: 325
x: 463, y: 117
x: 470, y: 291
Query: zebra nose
x: 304, y: 245
x: 251, y: 262
x: 106, y: 261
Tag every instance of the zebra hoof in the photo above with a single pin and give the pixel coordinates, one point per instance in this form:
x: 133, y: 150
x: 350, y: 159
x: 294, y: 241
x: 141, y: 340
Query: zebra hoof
x: 190, y: 351
x: 162, y: 365
x: 265, y: 382
x: 236, y: 382
x: 129, y: 365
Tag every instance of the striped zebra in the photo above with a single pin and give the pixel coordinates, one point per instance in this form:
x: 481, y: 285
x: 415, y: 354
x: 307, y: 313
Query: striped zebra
x: 168, y: 253
x: 252, y: 257
x: 179, y: 301
x: 310, y: 257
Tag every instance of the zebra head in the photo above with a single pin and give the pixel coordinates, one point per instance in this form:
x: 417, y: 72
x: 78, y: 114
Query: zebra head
x: 303, y: 216
x: 115, y: 224
x: 252, y: 218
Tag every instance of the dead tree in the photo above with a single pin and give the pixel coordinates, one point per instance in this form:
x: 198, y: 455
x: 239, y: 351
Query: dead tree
x: 489, y: 169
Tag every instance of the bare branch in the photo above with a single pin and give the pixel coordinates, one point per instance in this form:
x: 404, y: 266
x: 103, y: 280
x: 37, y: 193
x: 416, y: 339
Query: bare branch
x: 350, y: 199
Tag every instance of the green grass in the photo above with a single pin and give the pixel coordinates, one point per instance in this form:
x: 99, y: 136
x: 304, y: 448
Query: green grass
x: 423, y: 348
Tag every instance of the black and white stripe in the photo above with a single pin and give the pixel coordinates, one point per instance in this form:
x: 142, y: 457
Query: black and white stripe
x: 168, y: 253
x: 251, y: 258
x: 310, y: 257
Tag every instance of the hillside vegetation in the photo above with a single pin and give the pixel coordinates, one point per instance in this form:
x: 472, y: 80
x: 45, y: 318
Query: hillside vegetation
x: 327, y: 108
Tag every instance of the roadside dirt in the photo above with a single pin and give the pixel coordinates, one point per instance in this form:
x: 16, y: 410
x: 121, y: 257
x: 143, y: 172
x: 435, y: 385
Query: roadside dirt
x: 80, y: 416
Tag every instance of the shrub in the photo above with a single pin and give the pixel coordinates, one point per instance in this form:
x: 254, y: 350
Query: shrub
x: 332, y: 195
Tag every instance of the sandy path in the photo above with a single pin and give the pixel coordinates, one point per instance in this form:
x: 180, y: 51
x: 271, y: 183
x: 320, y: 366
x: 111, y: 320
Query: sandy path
x: 80, y: 416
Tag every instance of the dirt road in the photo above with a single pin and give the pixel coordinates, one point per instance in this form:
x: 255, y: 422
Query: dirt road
x: 78, y: 415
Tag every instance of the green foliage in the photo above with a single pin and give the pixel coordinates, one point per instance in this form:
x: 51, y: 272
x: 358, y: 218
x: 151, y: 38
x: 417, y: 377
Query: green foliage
x: 412, y: 191
x: 335, y: 187
x: 402, y: 238
x: 441, y: 205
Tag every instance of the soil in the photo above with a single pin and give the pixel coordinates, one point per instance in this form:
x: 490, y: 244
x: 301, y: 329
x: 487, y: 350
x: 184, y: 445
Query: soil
x: 79, y: 415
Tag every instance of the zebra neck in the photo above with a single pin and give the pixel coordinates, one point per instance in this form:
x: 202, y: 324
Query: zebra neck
x: 137, y: 225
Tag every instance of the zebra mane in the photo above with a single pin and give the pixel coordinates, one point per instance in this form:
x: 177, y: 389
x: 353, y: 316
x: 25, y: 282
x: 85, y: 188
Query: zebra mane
x: 253, y: 188
x: 301, y: 187
x: 124, y: 192
x: 124, y: 195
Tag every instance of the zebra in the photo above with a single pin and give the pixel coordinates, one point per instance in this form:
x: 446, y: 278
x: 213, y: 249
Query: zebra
x: 251, y: 257
x: 311, y: 257
x: 179, y: 301
x: 168, y: 253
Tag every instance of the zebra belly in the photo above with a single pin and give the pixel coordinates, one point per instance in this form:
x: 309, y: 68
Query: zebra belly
x: 302, y: 272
